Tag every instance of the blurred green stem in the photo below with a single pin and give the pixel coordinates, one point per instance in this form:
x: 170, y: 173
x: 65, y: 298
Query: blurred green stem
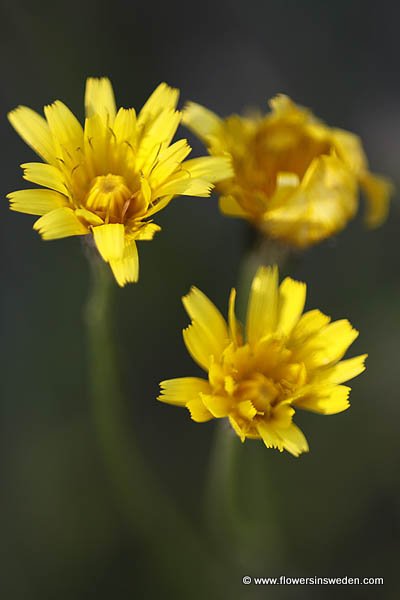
x: 222, y: 512
x: 169, y: 538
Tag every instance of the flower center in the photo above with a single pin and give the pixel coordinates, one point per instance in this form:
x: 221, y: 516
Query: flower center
x: 109, y: 194
x: 260, y: 390
x: 283, y: 148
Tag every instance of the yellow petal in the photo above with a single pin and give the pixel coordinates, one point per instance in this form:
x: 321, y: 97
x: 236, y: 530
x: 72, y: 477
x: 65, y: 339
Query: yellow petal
x: 97, y: 138
x: 319, y: 207
x: 110, y: 240
x: 293, y: 440
x: 126, y: 269
x: 182, y: 390
x: 247, y: 409
x: 328, y: 345
x: 286, y: 180
x: 219, y: 406
x: 269, y: 436
x: 349, y: 148
x: 287, y: 185
x: 146, y: 191
x: 59, y: 223
x: 281, y: 417
x: 292, y: 297
x: 124, y: 126
x: 200, y: 120
x: 198, y: 411
x: 157, y: 134
x: 66, y: 130
x: 90, y: 217
x: 237, y: 428
x: 36, y: 201
x: 378, y: 191
x: 289, y: 438
x: 343, y: 370
x: 207, y: 336
x: 234, y: 324
x: 163, y: 98
x: 184, y: 185
x: 45, y: 175
x: 201, y: 310
x: 216, y: 376
x: 168, y: 161
x: 230, y: 206
x: 212, y: 168
x: 99, y: 98
x: 146, y: 232
x: 326, y: 400
x: 158, y: 205
x: 284, y: 107
x: 201, y: 345
x: 309, y: 324
x: 263, y: 304
x: 34, y: 131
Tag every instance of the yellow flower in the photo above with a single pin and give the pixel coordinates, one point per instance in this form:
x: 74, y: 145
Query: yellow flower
x: 295, y: 178
x: 110, y: 176
x: 284, y: 360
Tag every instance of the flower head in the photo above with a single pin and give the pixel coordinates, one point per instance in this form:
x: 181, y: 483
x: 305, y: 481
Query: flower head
x: 295, y: 178
x: 111, y: 176
x: 283, y: 360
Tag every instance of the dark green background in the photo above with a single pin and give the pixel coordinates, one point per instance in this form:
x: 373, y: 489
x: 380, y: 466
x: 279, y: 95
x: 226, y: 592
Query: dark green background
x: 335, y: 511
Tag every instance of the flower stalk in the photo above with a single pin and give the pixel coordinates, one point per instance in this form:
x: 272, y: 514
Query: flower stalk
x: 149, y: 511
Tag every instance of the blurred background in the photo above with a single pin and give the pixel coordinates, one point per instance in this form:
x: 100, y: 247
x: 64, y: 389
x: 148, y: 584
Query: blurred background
x: 333, y: 512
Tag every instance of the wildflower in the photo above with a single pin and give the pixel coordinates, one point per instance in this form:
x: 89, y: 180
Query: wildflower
x: 111, y: 176
x: 295, y: 178
x: 257, y: 378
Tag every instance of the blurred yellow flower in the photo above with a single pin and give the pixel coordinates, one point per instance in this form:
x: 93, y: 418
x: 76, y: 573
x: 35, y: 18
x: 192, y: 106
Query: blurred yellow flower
x: 295, y: 178
x: 110, y: 176
x: 282, y: 361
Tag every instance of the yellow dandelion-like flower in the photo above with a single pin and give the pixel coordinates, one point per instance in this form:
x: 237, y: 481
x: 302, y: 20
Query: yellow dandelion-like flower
x: 111, y: 176
x: 282, y: 361
x: 295, y: 178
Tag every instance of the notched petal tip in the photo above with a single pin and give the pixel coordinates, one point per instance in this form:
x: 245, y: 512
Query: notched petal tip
x: 37, y: 201
x: 126, y: 268
x: 59, y: 223
x: 192, y: 289
x: 34, y: 130
x: 189, y: 297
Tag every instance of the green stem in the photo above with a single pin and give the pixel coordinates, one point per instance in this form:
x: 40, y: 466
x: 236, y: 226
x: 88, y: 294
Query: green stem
x: 152, y: 516
x: 221, y: 506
